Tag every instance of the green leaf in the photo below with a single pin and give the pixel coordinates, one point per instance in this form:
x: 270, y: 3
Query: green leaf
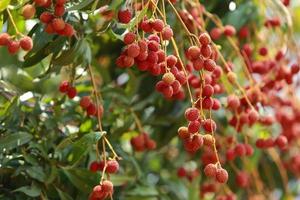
x: 52, y: 47
x: 14, y: 140
x: 37, y: 172
x: 4, y: 4
x: 139, y: 16
x: 241, y: 15
x: 63, y: 195
x: 81, y: 147
x: 32, y: 191
x: 143, y: 191
x: 82, y: 179
x: 81, y: 5
x: 68, y: 56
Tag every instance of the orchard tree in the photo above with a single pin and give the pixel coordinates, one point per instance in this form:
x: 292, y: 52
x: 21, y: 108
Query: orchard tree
x: 149, y: 99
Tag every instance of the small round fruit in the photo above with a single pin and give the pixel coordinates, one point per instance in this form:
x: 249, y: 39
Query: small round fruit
x: 91, y: 109
x: 40, y: 2
x: 210, y: 170
x: 124, y: 16
x: 26, y: 43
x: 72, y: 92
x: 107, y: 187
x: 58, y: 24
x: 64, y: 86
x: 204, y: 39
x: 192, y: 114
x: 85, y: 102
x: 129, y: 38
x: 221, y: 175
x: 168, y: 78
x: 4, y: 39
x: 46, y: 17
x: 112, y: 166
x: 13, y: 46
x: 28, y: 11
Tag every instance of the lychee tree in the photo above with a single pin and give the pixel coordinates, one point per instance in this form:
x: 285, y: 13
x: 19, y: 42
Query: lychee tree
x: 149, y: 99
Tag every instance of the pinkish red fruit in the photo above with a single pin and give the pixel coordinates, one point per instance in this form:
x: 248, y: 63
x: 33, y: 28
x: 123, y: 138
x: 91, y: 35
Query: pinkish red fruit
x: 26, y: 43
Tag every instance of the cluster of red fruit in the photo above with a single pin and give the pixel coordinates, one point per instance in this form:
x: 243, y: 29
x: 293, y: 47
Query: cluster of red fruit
x: 281, y: 142
x: 102, y: 191
x: 216, y: 33
x: 105, y: 188
x: 190, y: 135
x: 142, y: 142
x: 148, y: 56
x: 90, y: 107
x: 112, y: 166
x: 293, y: 164
x: 239, y: 150
x: 201, y: 58
x: 54, y: 22
x: 85, y: 102
x: 217, y: 172
x: 242, y: 179
x: 67, y: 88
x: 242, y: 113
x: 190, y: 174
x: 14, y: 45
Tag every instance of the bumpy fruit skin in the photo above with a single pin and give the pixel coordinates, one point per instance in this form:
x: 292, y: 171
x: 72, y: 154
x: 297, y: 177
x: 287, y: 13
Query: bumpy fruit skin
x: 58, y: 24
x: 183, y: 132
x: 194, y: 126
x: 108, y: 187
x: 129, y: 38
x: 193, y: 52
x: 209, y: 125
x: 13, y: 46
x: 112, y: 166
x: 124, y: 16
x: 221, y: 175
x: 192, y: 114
x: 26, y: 43
x: 167, y: 33
x: 158, y: 25
x: 64, y: 86
x: 133, y: 50
x: 210, y: 170
x: 204, y: 39
x: 209, y: 65
x: 168, y: 78
x: 46, y: 17
x: 28, y: 11
x: 4, y: 39
x: 208, y: 90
